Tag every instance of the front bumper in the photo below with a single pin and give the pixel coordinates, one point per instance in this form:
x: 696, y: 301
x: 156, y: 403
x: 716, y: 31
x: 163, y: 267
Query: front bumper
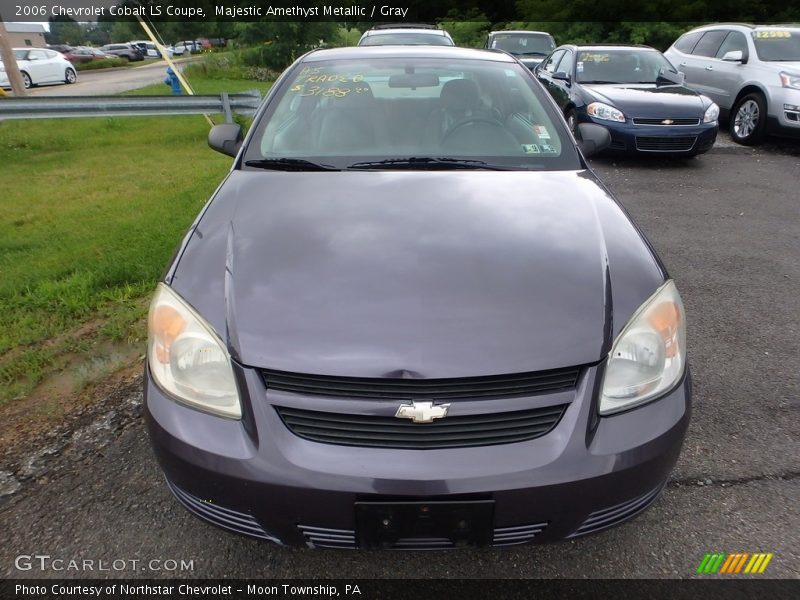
x: 257, y: 478
x: 784, y: 111
x: 670, y: 140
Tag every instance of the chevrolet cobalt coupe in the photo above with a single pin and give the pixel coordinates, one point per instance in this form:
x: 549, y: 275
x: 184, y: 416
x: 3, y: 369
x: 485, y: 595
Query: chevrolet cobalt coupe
x: 412, y: 317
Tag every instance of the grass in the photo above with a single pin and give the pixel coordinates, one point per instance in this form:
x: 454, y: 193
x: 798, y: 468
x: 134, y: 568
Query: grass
x: 92, y: 210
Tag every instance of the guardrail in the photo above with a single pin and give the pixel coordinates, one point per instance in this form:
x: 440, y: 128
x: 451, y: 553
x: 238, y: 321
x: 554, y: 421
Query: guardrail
x: 128, y: 106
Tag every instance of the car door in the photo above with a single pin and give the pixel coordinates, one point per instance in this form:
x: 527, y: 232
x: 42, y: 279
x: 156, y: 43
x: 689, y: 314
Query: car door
x: 546, y: 70
x: 702, y: 61
x: 562, y: 89
x: 38, y: 67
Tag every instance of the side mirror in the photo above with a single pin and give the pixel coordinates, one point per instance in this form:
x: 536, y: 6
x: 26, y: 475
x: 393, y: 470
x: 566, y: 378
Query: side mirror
x: 561, y: 76
x: 734, y: 56
x: 226, y: 138
x: 592, y: 138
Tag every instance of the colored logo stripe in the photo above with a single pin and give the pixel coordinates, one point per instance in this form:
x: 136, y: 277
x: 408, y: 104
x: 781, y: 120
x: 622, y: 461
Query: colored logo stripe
x: 720, y: 562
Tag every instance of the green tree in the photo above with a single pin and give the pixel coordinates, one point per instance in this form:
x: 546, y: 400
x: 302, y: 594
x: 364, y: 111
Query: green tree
x: 65, y: 30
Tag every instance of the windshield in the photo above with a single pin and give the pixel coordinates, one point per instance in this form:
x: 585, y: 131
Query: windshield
x: 523, y: 44
x: 406, y: 39
x: 339, y: 113
x: 777, y: 45
x: 620, y: 66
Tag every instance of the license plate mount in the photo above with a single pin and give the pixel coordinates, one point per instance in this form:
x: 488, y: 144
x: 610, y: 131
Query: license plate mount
x: 464, y: 523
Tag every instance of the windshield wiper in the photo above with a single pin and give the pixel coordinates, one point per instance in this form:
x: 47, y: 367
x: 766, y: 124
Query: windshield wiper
x: 532, y: 52
x: 427, y: 162
x: 599, y: 82
x: 289, y: 164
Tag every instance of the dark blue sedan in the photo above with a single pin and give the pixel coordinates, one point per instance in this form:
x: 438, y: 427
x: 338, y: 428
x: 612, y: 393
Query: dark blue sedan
x: 636, y: 93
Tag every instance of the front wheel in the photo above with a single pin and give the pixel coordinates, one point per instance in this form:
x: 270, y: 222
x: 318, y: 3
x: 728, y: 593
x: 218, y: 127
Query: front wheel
x: 70, y: 76
x: 748, y: 122
x: 26, y: 80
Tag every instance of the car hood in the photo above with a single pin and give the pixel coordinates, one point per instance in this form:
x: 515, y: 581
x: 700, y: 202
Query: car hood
x: 650, y: 100
x: 531, y: 61
x: 440, y: 274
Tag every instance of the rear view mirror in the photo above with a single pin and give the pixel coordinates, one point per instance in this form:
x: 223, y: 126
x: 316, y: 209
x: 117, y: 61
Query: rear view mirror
x: 670, y: 76
x: 226, y: 138
x: 592, y: 138
x: 561, y: 76
x: 413, y: 80
x: 734, y: 56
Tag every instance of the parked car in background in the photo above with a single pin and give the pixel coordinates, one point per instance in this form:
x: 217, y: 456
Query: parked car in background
x: 84, y: 54
x: 406, y: 34
x: 633, y: 91
x: 430, y: 325
x: 146, y: 47
x: 529, y: 46
x: 752, y: 73
x: 186, y: 47
x: 126, y: 51
x: 59, y: 47
x: 40, y: 65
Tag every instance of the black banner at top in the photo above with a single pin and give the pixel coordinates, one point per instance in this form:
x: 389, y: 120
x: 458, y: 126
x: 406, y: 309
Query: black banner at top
x: 428, y: 11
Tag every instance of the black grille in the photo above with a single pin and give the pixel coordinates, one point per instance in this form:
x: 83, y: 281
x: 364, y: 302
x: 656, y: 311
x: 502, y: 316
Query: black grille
x: 641, y: 121
x: 665, y: 144
x: 322, y: 537
x: 220, y: 516
x: 391, y: 432
x: 608, y: 517
x: 493, y: 386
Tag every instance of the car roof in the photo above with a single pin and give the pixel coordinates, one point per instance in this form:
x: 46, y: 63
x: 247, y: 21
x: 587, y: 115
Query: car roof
x: 609, y: 47
x: 500, y: 31
x: 421, y: 30
x: 355, y: 52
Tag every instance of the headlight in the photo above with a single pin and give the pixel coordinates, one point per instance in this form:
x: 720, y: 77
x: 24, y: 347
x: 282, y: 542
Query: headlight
x: 790, y: 81
x: 603, y: 111
x: 712, y: 113
x: 186, y: 357
x: 649, y: 355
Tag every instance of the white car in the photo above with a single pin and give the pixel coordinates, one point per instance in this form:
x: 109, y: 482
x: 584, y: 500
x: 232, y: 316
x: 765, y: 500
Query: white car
x: 40, y: 65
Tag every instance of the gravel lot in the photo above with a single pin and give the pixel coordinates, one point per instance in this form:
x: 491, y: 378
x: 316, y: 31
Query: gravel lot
x: 726, y: 224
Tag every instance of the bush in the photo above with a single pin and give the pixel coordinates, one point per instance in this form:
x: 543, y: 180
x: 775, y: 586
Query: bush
x: 248, y: 63
x: 105, y: 63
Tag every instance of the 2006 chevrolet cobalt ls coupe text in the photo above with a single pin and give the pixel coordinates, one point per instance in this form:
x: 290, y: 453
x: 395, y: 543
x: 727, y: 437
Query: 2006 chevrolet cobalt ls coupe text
x: 412, y: 317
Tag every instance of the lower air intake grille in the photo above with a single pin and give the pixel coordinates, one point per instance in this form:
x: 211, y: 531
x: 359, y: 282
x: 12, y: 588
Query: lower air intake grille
x: 391, y: 432
x: 512, y: 536
x: 493, y: 386
x: 321, y: 537
x: 665, y: 144
x: 608, y: 517
x: 226, y: 518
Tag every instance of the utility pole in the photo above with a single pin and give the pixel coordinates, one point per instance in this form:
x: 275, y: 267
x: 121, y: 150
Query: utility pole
x: 10, y: 63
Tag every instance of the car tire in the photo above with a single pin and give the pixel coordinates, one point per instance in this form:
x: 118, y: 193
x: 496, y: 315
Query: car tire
x: 571, y: 117
x: 70, y: 76
x: 26, y: 80
x: 748, y: 120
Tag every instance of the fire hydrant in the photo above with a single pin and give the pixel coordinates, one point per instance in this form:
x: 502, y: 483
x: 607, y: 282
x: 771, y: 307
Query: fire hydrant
x: 173, y: 81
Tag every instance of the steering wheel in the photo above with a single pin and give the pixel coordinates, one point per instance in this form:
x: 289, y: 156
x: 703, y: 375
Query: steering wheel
x: 470, y: 121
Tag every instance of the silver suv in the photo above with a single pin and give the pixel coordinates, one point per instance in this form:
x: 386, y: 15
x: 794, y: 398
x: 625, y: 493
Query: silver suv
x: 752, y: 72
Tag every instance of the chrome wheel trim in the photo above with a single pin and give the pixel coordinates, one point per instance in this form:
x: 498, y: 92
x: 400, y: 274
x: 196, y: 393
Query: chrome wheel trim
x: 746, y: 119
x: 27, y: 81
x: 71, y: 76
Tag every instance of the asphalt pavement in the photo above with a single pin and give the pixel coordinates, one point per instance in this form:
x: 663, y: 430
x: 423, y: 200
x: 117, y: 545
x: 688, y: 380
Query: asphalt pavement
x: 726, y: 225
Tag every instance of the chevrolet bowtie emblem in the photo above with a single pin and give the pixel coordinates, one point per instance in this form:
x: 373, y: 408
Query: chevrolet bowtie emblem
x: 667, y: 122
x: 422, y: 412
